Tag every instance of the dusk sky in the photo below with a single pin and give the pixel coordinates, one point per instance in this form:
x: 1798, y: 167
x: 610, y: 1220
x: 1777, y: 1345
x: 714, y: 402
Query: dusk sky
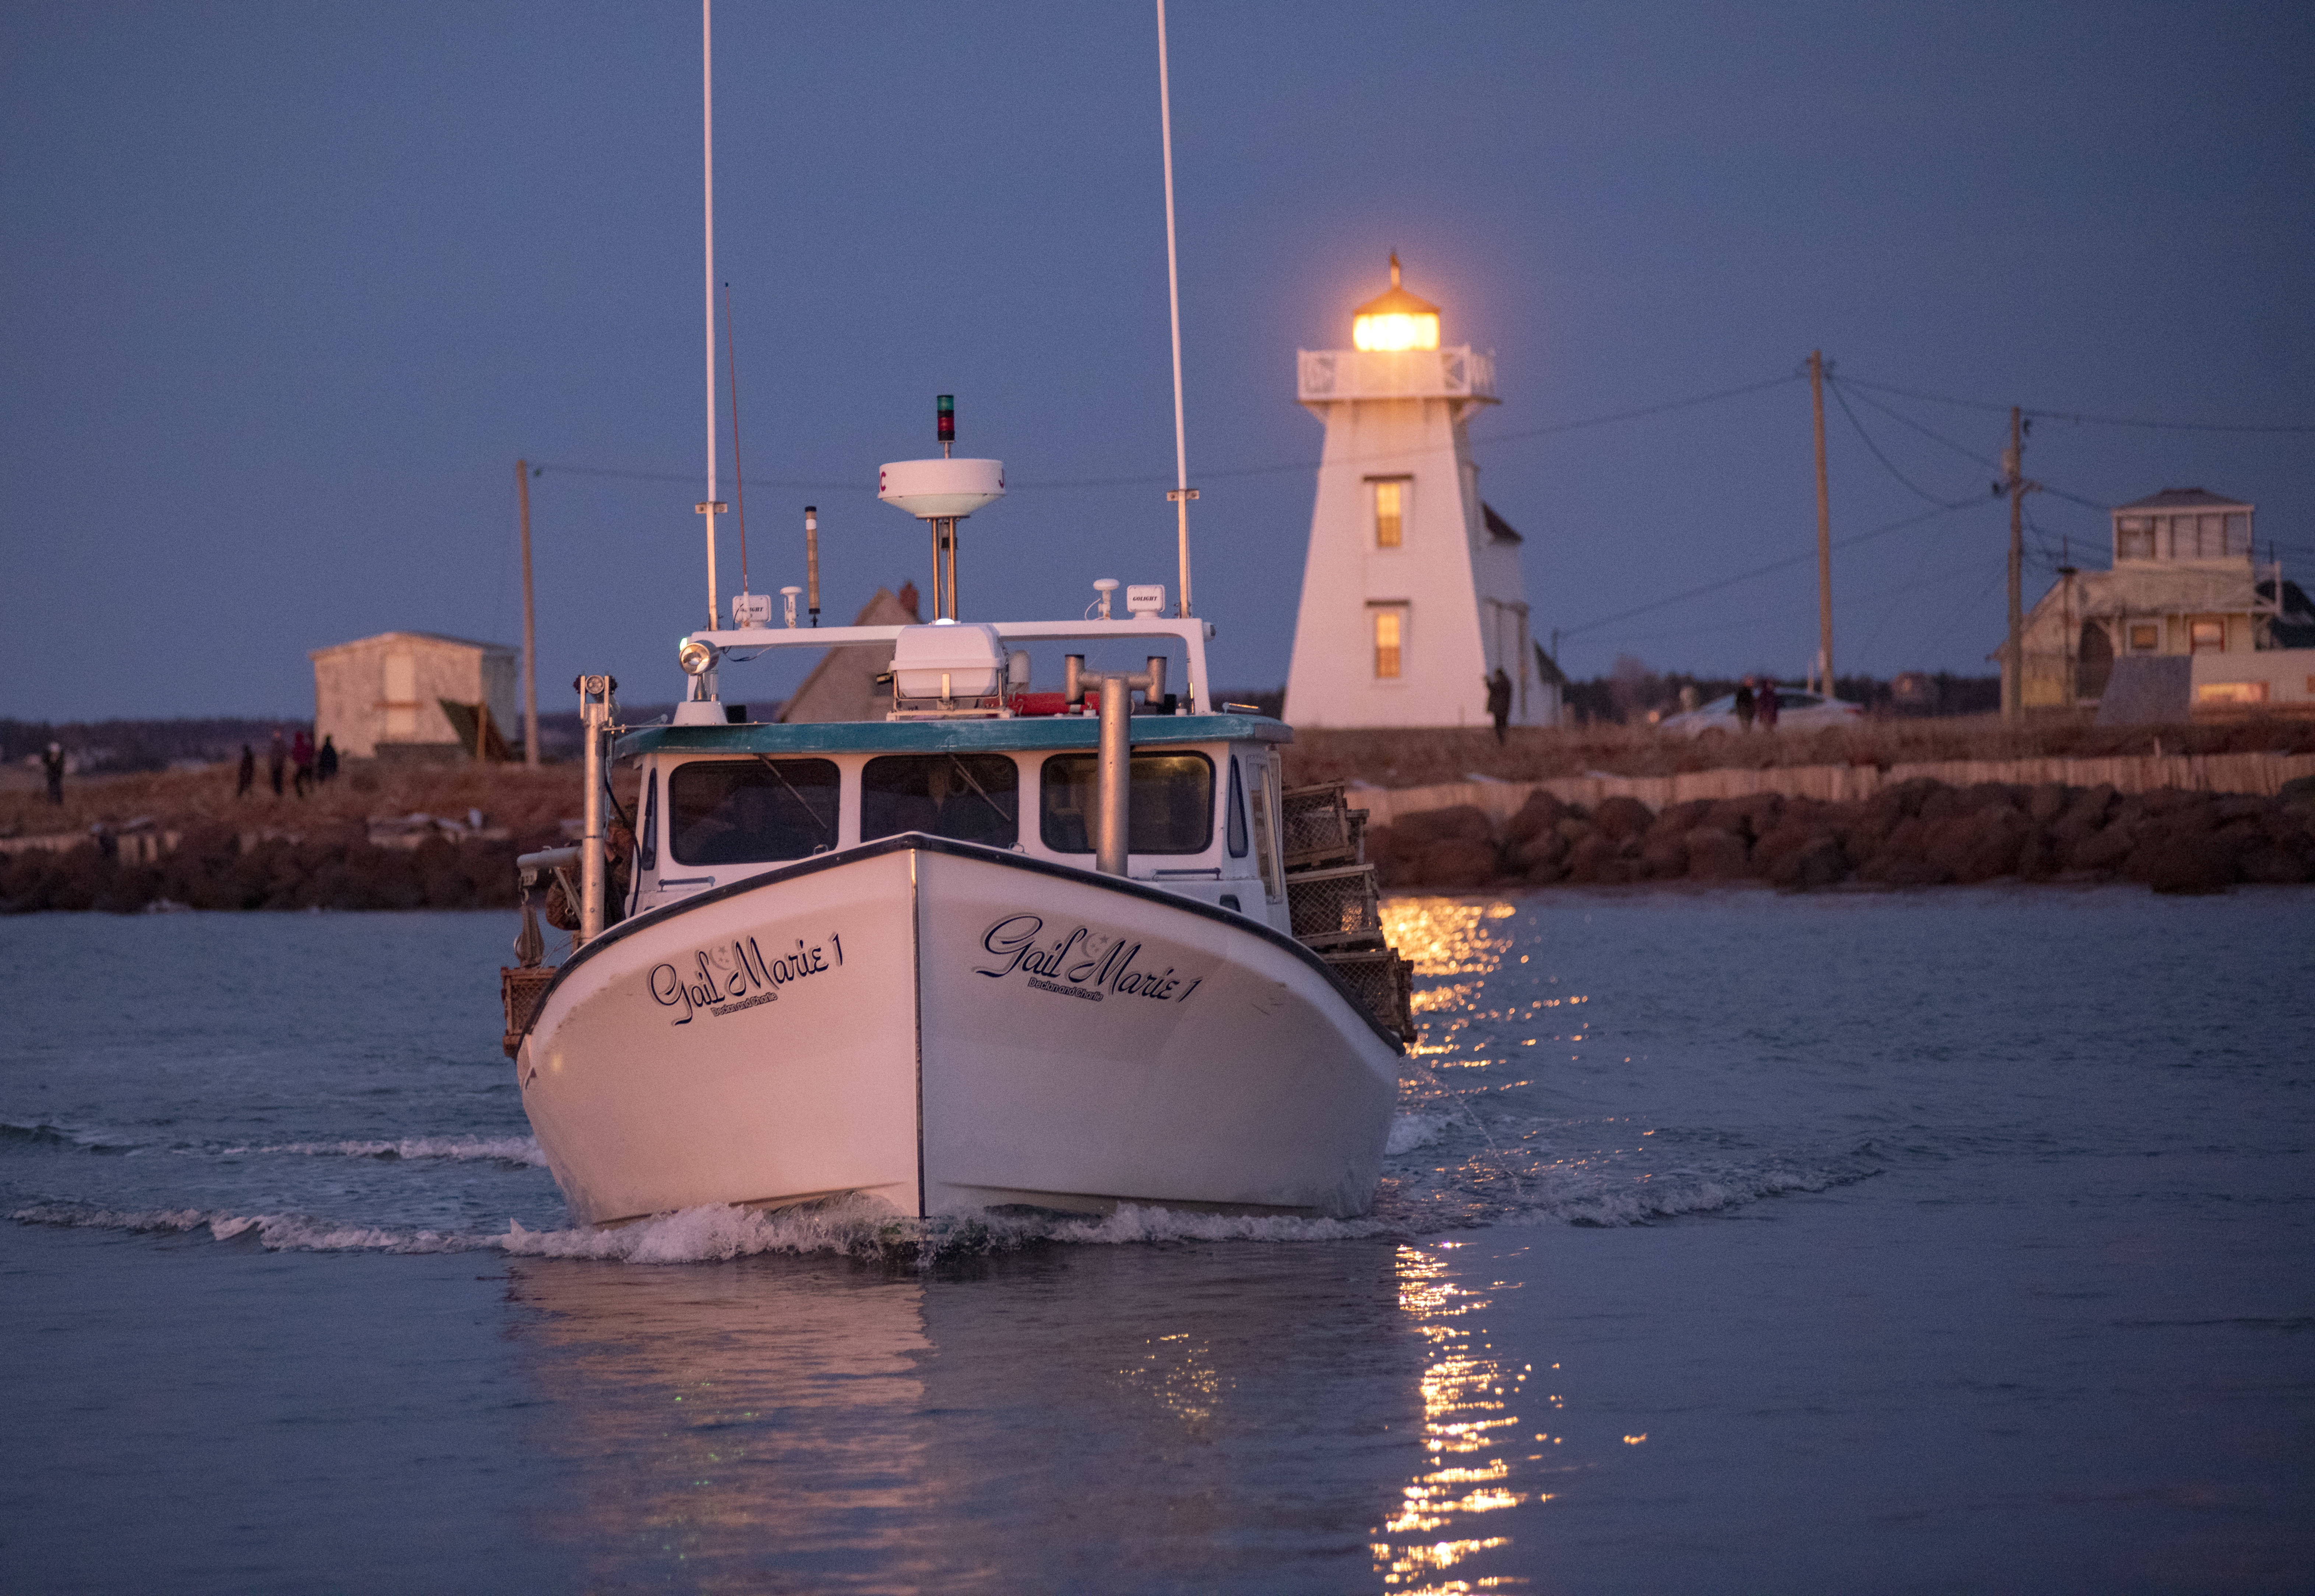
x: 288, y: 288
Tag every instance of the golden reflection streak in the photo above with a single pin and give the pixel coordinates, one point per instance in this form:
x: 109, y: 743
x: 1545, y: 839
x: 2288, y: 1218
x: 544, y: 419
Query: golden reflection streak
x: 1465, y: 1418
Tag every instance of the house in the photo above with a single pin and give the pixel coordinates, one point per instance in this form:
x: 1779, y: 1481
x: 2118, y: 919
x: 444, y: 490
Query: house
x: 2185, y: 586
x: 415, y: 695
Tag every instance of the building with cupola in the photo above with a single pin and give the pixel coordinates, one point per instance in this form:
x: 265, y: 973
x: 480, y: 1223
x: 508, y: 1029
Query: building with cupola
x: 2185, y: 587
x: 1413, y: 595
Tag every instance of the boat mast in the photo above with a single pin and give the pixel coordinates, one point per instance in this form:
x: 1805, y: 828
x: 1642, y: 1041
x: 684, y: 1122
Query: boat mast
x: 709, y: 507
x: 1182, y: 491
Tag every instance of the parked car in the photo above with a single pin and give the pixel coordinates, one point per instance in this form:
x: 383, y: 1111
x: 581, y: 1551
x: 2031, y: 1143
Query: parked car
x: 1796, y: 711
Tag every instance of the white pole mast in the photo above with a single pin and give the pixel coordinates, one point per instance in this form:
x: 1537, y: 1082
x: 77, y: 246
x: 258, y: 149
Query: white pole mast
x: 1183, y: 492
x: 710, y: 508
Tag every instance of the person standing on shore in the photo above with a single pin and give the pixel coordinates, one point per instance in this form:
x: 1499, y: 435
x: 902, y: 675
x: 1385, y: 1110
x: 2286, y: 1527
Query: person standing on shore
x: 1744, y: 705
x: 248, y: 774
x: 1767, y: 706
x: 301, y: 760
x: 276, y: 757
x: 1499, y: 701
x: 326, y: 764
x: 52, y: 765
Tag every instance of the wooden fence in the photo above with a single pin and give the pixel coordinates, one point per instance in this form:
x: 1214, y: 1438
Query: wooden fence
x: 2260, y: 775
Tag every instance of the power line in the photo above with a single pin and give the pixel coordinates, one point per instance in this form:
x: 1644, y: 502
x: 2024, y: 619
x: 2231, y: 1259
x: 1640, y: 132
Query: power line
x: 1939, y: 438
x: 1887, y: 464
x: 1745, y: 576
x: 2089, y: 419
x: 1545, y: 430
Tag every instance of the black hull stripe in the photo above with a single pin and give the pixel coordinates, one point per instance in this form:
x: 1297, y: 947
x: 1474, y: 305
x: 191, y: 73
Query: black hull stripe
x: 918, y: 842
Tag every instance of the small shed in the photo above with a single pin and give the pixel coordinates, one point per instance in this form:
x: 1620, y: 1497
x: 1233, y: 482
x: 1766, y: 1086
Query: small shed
x: 410, y: 694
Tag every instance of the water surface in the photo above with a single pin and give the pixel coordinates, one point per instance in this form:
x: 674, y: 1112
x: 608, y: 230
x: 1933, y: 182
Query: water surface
x: 1733, y: 1241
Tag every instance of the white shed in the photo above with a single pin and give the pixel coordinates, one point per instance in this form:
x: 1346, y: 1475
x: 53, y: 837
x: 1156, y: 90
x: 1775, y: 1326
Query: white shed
x: 398, y: 692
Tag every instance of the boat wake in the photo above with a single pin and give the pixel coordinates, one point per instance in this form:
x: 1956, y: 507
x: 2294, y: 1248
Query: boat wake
x: 1445, y: 1172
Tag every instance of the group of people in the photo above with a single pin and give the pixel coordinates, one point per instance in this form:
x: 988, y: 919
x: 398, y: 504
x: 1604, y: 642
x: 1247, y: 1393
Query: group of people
x: 306, y: 766
x: 1757, y: 701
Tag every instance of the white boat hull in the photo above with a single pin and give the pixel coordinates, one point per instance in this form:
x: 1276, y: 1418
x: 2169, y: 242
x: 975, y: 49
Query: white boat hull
x: 945, y: 1027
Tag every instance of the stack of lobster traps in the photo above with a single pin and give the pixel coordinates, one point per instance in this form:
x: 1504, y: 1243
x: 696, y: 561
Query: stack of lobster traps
x: 1336, y: 904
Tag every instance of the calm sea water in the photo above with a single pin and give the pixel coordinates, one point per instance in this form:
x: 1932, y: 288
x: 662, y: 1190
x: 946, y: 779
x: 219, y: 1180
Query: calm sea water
x: 1958, y: 1241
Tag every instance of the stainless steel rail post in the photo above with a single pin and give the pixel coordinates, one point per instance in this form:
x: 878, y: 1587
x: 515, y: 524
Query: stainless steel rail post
x: 595, y: 710
x: 1113, y: 769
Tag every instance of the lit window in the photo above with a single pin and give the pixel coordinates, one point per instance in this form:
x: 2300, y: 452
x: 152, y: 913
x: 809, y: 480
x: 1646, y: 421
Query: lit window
x: 2145, y: 639
x: 1390, y: 641
x: 2207, y: 637
x: 1390, y: 514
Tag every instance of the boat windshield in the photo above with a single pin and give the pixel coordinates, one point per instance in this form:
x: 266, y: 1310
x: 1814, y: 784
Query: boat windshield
x: 970, y: 797
x: 1172, y: 804
x: 735, y: 811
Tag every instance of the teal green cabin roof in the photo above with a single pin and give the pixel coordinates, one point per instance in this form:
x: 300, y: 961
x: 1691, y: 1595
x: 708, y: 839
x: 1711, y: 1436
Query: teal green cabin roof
x: 1025, y: 734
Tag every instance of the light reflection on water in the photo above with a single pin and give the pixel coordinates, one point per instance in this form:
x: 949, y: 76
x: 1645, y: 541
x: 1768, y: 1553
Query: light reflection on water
x: 1470, y: 1435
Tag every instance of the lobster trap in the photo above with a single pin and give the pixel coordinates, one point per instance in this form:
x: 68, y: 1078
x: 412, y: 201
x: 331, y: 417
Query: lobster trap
x: 1381, y: 981
x: 1318, y: 826
x: 1336, y: 908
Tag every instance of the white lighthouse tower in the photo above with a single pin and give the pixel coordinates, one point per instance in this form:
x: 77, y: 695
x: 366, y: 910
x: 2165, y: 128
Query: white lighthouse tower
x: 1412, y: 596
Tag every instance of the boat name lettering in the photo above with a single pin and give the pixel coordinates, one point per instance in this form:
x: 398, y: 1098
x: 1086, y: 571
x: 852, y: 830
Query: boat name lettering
x: 735, y: 975
x: 1082, y: 963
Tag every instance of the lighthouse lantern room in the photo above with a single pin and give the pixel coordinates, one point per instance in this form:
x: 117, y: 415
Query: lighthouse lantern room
x: 1411, y: 594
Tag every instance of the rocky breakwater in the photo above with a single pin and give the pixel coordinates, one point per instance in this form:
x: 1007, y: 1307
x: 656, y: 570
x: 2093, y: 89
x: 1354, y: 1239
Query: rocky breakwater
x: 1918, y: 833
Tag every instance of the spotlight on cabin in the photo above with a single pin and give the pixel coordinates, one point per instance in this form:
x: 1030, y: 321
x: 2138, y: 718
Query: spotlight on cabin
x: 696, y: 658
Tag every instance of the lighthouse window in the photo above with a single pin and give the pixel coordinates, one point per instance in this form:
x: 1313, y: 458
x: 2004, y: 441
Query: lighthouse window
x: 1171, y: 801
x: 1389, y: 643
x: 1390, y: 511
x: 970, y: 797
x: 738, y: 812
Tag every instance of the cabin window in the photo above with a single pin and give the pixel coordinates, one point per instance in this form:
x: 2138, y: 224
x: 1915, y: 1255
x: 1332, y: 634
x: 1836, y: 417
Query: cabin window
x: 1172, y: 804
x: 2145, y: 638
x: 966, y: 797
x: 647, y: 845
x: 1234, y: 827
x: 2207, y: 637
x: 736, y: 812
x: 1265, y: 836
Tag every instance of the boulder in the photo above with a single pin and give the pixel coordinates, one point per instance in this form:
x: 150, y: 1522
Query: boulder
x: 1546, y: 848
x: 2183, y: 864
x: 1540, y: 813
x: 1624, y: 817
x: 1457, y: 863
x: 2101, y: 850
x: 1459, y: 822
x: 1817, y: 864
x: 1663, y: 857
x: 1714, y: 854
x: 1599, y: 861
x: 2046, y: 802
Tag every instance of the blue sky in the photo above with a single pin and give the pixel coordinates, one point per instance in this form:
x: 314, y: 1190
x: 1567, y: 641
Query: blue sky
x: 288, y: 288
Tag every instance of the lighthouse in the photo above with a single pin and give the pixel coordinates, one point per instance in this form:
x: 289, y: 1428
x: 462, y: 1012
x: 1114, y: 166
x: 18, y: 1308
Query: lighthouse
x: 1412, y: 593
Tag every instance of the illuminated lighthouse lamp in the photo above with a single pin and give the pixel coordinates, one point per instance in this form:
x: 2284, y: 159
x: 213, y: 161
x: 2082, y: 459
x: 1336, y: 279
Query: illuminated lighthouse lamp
x: 1395, y: 320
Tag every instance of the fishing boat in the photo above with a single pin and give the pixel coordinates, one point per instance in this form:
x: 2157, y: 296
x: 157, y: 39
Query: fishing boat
x: 989, y: 946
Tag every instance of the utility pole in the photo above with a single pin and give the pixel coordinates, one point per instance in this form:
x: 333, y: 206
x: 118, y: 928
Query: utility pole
x: 2013, y: 680
x: 1823, y: 533
x: 529, y: 629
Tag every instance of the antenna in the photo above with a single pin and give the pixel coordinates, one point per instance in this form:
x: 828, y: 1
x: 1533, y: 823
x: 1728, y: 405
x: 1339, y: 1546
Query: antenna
x: 1182, y: 491
x: 739, y: 481
x: 710, y: 507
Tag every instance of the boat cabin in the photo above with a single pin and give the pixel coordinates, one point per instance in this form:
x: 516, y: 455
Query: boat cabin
x: 717, y: 805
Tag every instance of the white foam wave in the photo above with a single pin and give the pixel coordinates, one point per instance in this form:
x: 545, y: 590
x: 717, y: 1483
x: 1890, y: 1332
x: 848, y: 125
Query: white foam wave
x: 1412, y: 1131
x: 1675, y: 1193
x: 273, y: 1232
x: 500, y: 1149
x: 860, y: 1229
